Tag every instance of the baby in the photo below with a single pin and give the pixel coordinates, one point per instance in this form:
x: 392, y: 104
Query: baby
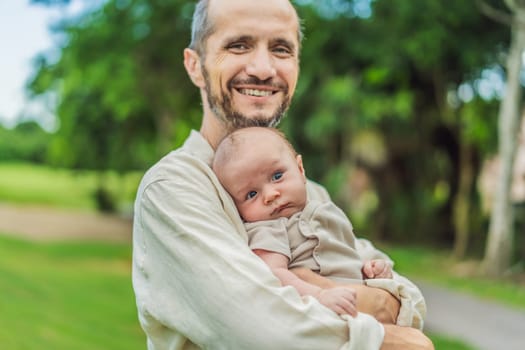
x: 265, y: 177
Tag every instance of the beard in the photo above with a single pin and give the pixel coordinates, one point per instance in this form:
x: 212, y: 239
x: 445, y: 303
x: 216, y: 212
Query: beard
x: 221, y: 105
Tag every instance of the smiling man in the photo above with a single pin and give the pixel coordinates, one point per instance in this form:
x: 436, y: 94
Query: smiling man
x: 246, y: 68
x: 197, y: 283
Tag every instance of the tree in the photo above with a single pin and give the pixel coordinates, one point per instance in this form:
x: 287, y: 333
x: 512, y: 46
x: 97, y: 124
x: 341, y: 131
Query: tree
x: 390, y: 81
x: 501, y: 230
x: 123, y: 100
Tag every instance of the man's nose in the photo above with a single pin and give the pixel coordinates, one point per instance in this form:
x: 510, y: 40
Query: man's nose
x: 261, y: 64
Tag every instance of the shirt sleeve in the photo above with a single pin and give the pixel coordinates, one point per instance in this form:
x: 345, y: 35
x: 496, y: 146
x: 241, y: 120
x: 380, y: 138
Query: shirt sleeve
x: 269, y: 235
x: 413, y: 308
x: 197, y: 282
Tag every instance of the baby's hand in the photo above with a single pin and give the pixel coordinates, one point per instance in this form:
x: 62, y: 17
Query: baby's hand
x: 377, y: 268
x: 339, y: 299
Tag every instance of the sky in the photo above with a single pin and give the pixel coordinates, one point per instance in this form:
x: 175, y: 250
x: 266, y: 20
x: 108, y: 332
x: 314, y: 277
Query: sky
x: 24, y: 33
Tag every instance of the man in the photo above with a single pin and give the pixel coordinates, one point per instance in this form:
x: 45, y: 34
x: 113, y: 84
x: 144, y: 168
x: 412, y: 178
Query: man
x: 196, y: 281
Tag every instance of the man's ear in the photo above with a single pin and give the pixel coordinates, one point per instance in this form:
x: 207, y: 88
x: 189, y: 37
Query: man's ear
x: 300, y: 165
x: 192, y: 63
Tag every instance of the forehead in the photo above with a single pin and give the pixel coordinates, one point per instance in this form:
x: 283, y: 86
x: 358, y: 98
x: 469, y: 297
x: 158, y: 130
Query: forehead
x: 250, y: 169
x: 273, y: 18
x: 255, y: 150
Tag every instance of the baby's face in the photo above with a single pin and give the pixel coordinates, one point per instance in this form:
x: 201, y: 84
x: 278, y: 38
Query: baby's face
x: 266, y: 182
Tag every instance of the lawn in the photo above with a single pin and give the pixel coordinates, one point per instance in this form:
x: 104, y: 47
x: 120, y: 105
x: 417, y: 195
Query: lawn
x: 77, y: 296
x: 67, y: 296
x: 24, y: 183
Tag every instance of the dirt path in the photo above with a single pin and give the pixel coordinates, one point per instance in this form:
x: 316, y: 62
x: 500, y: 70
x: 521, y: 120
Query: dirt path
x: 480, y: 323
x: 42, y: 223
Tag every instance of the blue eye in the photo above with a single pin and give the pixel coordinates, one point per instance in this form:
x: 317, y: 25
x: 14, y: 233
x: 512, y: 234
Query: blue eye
x: 251, y: 194
x: 277, y: 175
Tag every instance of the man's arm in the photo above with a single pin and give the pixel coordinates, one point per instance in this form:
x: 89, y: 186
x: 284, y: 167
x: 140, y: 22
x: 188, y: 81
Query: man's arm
x: 405, y: 338
x: 373, y: 301
x: 412, y: 310
x: 195, y: 278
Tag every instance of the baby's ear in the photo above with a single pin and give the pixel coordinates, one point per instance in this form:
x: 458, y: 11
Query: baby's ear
x: 299, y: 160
x: 192, y: 63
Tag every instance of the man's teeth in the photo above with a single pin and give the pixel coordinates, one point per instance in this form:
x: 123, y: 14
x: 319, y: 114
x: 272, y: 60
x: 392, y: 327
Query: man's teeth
x: 258, y: 93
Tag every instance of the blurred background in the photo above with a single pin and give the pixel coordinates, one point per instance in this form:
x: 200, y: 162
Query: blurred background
x: 409, y: 112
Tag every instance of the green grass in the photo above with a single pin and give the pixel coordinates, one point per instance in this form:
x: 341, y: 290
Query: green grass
x: 437, y: 267
x: 78, y: 296
x: 23, y: 183
x: 445, y: 343
x: 67, y: 296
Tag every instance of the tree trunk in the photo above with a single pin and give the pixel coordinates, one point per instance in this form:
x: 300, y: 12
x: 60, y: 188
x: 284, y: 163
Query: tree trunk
x: 500, y: 237
x: 164, y: 124
x: 462, y: 201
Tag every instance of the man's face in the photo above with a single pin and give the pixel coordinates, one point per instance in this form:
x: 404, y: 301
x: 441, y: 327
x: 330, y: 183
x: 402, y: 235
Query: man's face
x: 251, y: 62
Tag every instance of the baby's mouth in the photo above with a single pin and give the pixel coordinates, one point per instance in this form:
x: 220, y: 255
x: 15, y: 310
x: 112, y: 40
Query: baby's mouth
x: 279, y: 209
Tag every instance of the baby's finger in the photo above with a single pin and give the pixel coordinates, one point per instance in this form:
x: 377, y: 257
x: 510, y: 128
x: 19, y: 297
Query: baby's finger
x: 368, y: 270
x: 348, y: 308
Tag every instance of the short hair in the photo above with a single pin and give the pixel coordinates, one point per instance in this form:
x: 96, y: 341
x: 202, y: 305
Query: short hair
x: 202, y: 27
x: 234, y: 140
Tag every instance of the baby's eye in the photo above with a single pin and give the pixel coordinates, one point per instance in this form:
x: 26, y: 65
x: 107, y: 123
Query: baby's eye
x: 277, y: 175
x: 251, y: 194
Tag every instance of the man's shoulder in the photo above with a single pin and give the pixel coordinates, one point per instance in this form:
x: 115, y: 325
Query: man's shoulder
x: 188, y: 163
x: 316, y: 192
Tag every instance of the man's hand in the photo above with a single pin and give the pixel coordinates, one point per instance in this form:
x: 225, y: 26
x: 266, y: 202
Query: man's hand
x: 405, y: 338
x: 378, y: 303
x: 340, y: 299
x: 373, y: 301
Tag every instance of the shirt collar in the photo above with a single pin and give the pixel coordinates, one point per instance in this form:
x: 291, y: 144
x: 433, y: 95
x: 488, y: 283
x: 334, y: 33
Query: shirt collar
x: 197, y: 145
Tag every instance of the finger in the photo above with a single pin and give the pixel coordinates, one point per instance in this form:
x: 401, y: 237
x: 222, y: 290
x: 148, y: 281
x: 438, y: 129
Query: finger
x: 379, y: 265
x: 349, y: 308
x: 339, y: 310
x: 367, y: 270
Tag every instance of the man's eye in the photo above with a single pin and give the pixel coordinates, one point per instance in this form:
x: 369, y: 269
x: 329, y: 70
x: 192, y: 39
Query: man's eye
x: 238, y: 47
x: 251, y: 194
x: 276, y: 176
x: 282, y: 49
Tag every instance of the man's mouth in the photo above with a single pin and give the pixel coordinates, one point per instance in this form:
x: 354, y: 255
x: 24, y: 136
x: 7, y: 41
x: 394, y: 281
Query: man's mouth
x: 256, y: 92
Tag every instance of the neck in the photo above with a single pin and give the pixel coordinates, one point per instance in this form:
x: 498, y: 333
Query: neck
x: 212, y: 129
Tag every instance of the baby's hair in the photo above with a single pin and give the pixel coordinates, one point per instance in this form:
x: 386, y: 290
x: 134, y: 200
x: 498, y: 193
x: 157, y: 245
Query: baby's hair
x: 237, y: 138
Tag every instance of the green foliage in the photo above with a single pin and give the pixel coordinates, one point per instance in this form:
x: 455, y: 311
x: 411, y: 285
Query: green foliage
x: 392, y: 75
x: 67, y: 296
x: 26, y: 142
x: 121, y: 95
x: 378, y: 93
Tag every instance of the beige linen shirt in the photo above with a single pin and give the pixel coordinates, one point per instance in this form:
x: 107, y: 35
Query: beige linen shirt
x: 197, y: 283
